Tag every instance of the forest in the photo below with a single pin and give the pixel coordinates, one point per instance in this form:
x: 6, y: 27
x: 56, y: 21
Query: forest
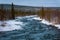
x: 51, y: 15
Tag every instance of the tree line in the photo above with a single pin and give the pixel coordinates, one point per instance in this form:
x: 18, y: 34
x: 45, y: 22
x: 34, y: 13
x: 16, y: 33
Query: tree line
x: 51, y: 15
x: 5, y: 14
x: 48, y: 14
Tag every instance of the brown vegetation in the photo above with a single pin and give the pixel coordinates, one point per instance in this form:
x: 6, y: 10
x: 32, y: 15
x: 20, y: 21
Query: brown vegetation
x: 51, y: 15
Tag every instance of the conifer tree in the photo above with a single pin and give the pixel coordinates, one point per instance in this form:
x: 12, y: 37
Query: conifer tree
x: 2, y: 14
x: 42, y: 14
x: 12, y: 12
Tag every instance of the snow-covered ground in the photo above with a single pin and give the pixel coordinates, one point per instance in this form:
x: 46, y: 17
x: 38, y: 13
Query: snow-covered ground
x: 10, y: 25
x: 17, y: 25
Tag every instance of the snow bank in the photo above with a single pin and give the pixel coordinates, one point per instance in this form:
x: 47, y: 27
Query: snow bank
x: 57, y: 25
x: 10, y: 25
x: 13, y: 24
x: 49, y: 23
x: 46, y: 22
x: 17, y: 25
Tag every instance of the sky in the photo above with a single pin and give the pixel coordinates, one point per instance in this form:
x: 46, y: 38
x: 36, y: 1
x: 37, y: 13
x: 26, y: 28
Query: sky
x: 45, y: 3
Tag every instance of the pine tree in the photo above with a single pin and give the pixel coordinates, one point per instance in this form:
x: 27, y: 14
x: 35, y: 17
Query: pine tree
x: 12, y: 12
x: 2, y: 14
x: 42, y: 14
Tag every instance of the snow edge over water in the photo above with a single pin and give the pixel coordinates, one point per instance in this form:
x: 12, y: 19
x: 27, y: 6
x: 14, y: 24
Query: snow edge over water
x: 11, y: 24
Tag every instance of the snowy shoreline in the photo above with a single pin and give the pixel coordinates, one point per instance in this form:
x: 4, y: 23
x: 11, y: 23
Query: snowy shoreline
x: 12, y: 24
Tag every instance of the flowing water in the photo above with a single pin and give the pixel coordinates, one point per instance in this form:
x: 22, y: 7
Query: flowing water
x: 32, y: 30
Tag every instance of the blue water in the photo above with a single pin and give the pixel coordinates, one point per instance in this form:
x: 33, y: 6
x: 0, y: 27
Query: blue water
x: 32, y: 30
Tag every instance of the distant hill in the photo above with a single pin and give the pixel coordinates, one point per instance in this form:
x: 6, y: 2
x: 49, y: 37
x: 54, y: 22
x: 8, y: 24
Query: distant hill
x: 25, y: 8
x: 19, y: 7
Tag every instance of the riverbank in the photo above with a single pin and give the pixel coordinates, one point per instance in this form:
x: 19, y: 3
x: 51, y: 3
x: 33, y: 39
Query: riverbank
x: 19, y: 22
